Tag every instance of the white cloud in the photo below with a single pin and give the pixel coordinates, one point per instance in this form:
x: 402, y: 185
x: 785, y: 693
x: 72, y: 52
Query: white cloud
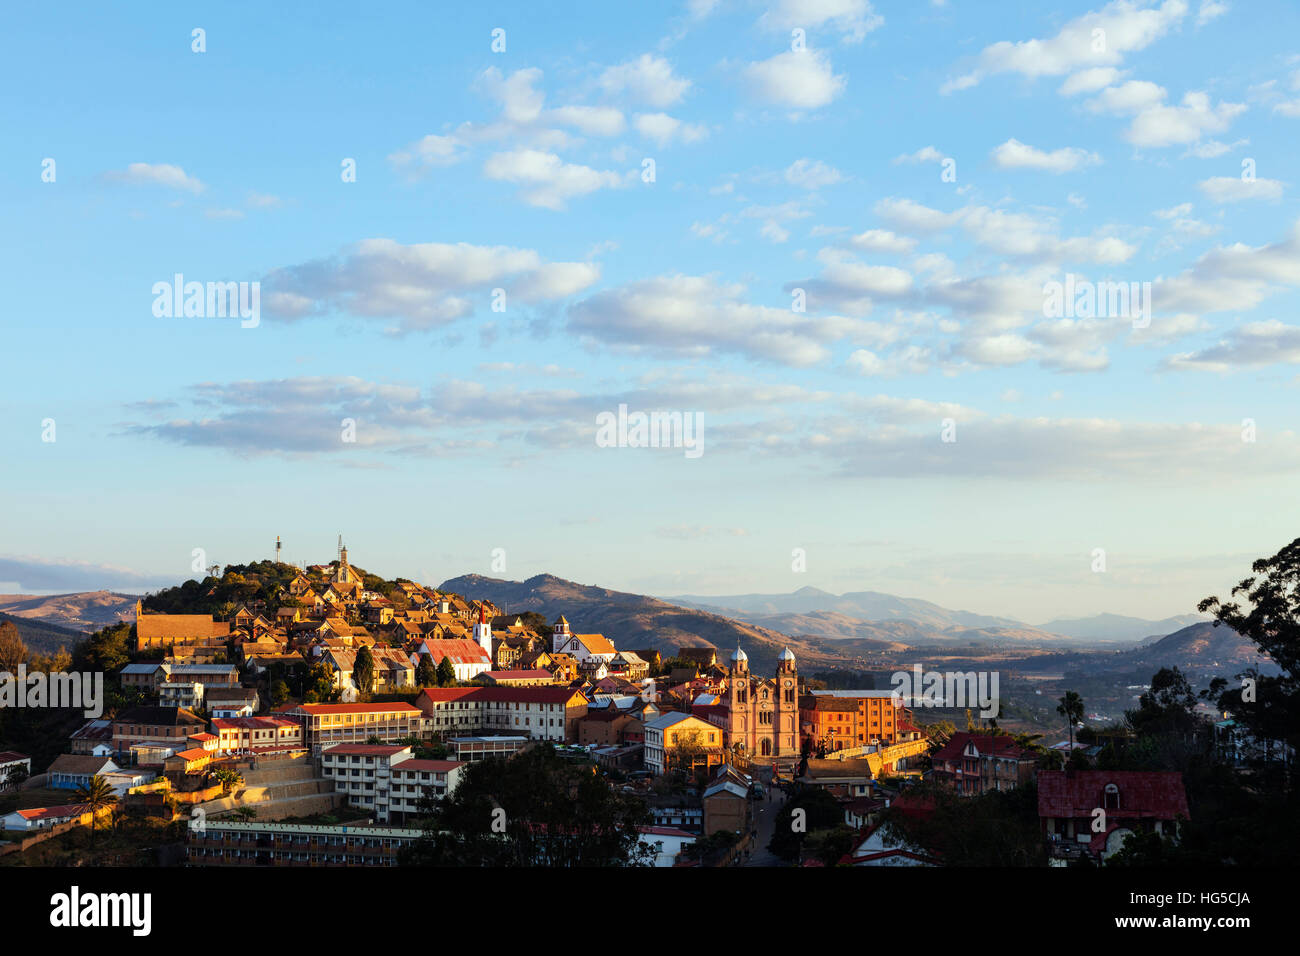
x: 423, y: 285
x: 663, y: 129
x: 427, y: 153
x: 550, y: 182
x: 648, y: 79
x: 1210, y: 9
x: 1124, y: 28
x: 1090, y: 80
x: 812, y: 174
x: 926, y: 154
x: 1250, y: 345
x: 591, y: 120
x: 157, y: 174
x: 1225, y: 189
x: 854, y: 19
x: 1014, y: 154
x: 696, y: 316
x: 882, y: 240
x: 797, y: 79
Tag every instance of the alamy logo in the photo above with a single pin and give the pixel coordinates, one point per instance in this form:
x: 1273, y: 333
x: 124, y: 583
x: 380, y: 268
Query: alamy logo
x: 76, y: 909
x: 651, y: 430
x: 41, y: 690
x: 951, y: 689
x: 1080, y: 299
x: 211, y: 300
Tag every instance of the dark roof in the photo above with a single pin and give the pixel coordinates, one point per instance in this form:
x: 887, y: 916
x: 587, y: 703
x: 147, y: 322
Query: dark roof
x: 997, y: 745
x: 1142, y: 794
x: 161, y: 716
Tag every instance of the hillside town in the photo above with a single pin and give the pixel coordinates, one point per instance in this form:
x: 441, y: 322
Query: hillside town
x: 325, y: 719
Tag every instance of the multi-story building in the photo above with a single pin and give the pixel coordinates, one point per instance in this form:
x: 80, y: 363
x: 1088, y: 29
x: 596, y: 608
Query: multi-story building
x: 387, y: 779
x: 1131, y: 801
x: 469, y: 749
x: 13, y: 766
x: 219, y: 843
x: 845, y: 719
x: 327, y: 724
x: 974, y: 763
x: 189, y: 696
x: 682, y: 739
x: 542, y: 713
x: 246, y: 735
x: 159, y: 731
x: 194, y: 632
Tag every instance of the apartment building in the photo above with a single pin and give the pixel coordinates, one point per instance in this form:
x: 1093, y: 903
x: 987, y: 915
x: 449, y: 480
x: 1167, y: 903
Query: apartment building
x: 219, y: 843
x: 245, y: 735
x: 844, y: 719
x: 327, y: 724
x: 387, y: 779
x: 542, y: 713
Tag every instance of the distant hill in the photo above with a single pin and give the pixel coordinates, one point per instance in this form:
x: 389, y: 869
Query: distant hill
x: 863, y: 605
x: 635, y: 621
x: 1199, y: 646
x: 81, y: 611
x: 45, y: 638
x: 1117, y: 627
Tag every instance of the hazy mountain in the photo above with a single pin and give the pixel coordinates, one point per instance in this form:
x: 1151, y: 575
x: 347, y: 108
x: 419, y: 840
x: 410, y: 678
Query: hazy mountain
x: 635, y: 621
x: 1199, y: 646
x: 863, y: 605
x: 42, y: 637
x: 1117, y: 627
x: 82, y: 611
x: 895, y: 635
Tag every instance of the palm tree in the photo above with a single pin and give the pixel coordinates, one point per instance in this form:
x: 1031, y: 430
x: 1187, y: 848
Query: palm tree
x: 1071, y: 709
x: 96, y: 795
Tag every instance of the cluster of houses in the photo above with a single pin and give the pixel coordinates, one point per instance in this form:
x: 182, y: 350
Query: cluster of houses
x: 515, y: 685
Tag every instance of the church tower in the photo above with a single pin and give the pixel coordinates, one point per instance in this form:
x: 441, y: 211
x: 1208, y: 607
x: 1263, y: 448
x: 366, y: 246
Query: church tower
x: 559, y: 635
x: 483, y: 633
x: 786, y: 724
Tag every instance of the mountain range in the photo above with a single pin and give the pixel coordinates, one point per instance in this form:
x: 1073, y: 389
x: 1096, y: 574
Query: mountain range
x: 812, y: 611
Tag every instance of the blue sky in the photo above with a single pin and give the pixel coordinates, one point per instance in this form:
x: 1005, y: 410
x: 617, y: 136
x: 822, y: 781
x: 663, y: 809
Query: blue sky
x: 920, y: 171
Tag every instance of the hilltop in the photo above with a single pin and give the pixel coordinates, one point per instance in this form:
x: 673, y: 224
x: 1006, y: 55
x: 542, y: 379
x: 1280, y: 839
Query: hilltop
x: 635, y: 621
x: 84, y: 611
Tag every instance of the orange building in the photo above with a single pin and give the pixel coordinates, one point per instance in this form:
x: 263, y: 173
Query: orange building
x: 842, y: 719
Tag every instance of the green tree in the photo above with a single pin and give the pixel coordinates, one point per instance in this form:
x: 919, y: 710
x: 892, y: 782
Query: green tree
x: 363, y: 671
x: 12, y: 649
x: 446, y: 673
x: 1071, y: 708
x: 228, y: 778
x: 279, y: 692
x: 426, y: 675
x: 533, y: 809
x: 1267, y: 613
x: 96, y: 795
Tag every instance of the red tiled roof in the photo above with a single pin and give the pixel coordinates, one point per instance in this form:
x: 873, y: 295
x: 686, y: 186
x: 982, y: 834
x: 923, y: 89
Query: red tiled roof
x: 522, y: 695
x: 998, y: 745
x: 364, y: 750
x: 8, y: 756
x: 1142, y: 794
x: 63, y: 810
x: 252, y: 723
x: 312, y: 709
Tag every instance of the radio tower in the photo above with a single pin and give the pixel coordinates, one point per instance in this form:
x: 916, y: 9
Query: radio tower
x: 277, y: 549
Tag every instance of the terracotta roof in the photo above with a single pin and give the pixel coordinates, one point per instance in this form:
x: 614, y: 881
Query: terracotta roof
x: 179, y: 627
x: 312, y: 709
x: 522, y: 695
x: 596, y: 643
x: 1142, y: 794
x: 158, y: 716
x: 996, y: 745
x: 193, y: 754
x: 364, y: 750
x: 64, y: 810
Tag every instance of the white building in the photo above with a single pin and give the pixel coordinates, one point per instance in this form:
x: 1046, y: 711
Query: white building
x: 387, y: 778
x: 189, y: 696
